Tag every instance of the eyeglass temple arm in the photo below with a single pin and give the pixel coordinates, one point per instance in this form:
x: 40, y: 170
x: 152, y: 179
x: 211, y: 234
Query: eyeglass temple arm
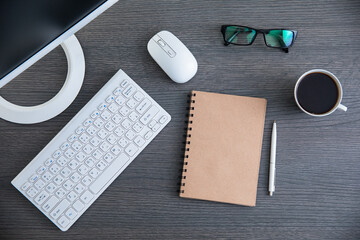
x: 227, y: 42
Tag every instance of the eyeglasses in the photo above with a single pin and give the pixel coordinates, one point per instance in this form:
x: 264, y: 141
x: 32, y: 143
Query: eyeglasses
x: 244, y: 36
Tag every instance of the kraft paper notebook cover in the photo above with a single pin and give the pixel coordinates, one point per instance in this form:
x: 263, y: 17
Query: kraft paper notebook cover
x: 223, y: 148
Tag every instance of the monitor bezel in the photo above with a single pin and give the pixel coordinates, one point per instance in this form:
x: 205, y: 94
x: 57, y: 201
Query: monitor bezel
x: 56, y: 42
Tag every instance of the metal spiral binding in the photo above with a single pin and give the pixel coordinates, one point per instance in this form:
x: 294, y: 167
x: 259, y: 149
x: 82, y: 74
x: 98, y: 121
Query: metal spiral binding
x: 187, y: 142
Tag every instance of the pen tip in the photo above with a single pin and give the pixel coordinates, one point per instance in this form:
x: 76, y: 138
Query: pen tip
x: 271, y: 194
x: 274, y: 121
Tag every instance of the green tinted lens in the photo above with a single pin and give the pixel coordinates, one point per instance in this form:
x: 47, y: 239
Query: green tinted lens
x: 279, y: 38
x: 239, y: 35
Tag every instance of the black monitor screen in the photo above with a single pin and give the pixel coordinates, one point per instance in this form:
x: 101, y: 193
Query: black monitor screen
x: 26, y: 26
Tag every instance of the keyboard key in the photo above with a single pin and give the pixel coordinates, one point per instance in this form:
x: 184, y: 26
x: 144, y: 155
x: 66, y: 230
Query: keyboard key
x: 124, y: 83
x: 63, y: 221
x: 41, y: 197
x: 101, y: 165
x: 138, y: 127
x: 139, y: 141
x: 138, y: 96
x: 80, y: 130
x: 123, y: 142
x: 90, y: 162
x: 152, y: 123
x: 56, y: 154
x: 62, y: 160
x: 106, y: 115
x: 124, y: 111
x: 119, y: 131
x: 148, y: 135
x: 105, y: 146
x: 75, y: 177
x: 126, y: 124
x: 102, y: 134
x: 109, y: 99
x: 134, y: 116
x: 73, y: 164
x: 102, y: 106
x: 99, y: 122
x: 25, y: 186
x: 54, y: 168
x: 113, y: 108
x: 95, y: 114
x: 120, y: 100
x: 78, y: 206
x: 64, y: 146
x: 39, y: 184
x: 47, y: 176
x: 109, y: 173
x: 49, y: 161
x: 87, y: 180
x: 51, y: 187
x: 58, y: 180
x: 68, y: 185
x: 130, y: 135
x: 131, y: 103
x: 95, y: 141
x: 108, y: 157
x: 111, y: 138
x: 88, y: 149
x: 81, y: 156
x: 143, y: 106
x: 76, y: 145
x: 79, y: 188
x: 129, y: 91
x: 69, y: 153
x: 50, y: 204
x: 86, y: 197
x: 84, y: 138
x: 116, y: 150
x: 156, y: 127
x: 63, y: 205
x: 72, y: 138
x: 117, y: 91
x: 32, y: 192
x: 91, y: 130
x: 87, y: 122
x: 34, y: 178
x: 60, y: 193
x: 94, y: 173
x: 71, y: 196
x: 110, y: 126
x: 131, y: 149
x: 163, y: 119
x: 65, y: 172
x: 97, y: 154
x: 116, y: 118
x: 83, y: 169
x: 70, y: 213
x: 148, y: 116
x: 41, y: 170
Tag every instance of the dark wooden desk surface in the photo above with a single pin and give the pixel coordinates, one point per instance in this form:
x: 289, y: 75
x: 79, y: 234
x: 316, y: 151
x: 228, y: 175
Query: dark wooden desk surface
x: 318, y: 163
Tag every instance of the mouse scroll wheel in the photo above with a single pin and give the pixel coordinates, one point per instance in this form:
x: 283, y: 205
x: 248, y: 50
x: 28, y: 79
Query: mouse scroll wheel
x: 161, y: 43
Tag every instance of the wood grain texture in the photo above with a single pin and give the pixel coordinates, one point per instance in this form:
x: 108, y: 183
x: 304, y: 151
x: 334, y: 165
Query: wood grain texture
x: 318, y: 167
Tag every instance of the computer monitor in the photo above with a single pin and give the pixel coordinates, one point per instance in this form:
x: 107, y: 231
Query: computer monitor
x: 31, y: 29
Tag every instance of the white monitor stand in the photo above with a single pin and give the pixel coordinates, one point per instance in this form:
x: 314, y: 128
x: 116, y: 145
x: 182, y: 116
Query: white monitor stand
x: 63, y: 99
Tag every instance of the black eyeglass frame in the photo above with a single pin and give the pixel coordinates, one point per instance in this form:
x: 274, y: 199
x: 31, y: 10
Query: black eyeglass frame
x: 262, y: 31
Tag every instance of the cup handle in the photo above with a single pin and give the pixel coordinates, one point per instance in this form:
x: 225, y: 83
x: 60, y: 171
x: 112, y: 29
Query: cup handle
x: 342, y: 107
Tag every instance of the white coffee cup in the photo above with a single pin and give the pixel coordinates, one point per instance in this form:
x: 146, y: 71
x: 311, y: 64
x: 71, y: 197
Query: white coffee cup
x: 338, y: 104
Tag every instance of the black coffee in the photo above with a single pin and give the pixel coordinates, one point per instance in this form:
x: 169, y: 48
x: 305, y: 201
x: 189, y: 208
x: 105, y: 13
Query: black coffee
x: 317, y: 93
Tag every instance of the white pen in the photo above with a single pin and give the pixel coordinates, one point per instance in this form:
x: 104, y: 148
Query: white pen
x: 272, y: 160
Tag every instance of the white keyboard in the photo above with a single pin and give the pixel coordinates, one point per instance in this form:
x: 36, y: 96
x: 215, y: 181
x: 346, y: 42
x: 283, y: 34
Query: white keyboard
x: 91, y: 151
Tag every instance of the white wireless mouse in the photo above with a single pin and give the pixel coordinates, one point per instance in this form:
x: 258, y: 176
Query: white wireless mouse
x: 172, y: 56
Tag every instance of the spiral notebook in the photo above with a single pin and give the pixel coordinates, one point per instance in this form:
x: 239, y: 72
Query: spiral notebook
x: 223, y: 148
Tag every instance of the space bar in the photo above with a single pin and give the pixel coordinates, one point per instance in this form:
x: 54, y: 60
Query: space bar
x: 109, y: 173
